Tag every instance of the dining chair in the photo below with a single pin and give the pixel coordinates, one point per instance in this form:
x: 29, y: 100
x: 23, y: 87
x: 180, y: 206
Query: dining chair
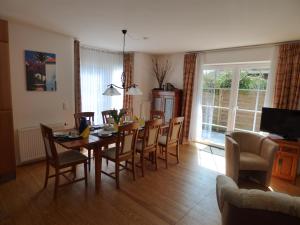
x: 149, y: 143
x: 123, y: 151
x: 155, y: 114
x: 172, y: 137
x: 59, y: 161
x: 106, y: 115
x: 88, y: 115
x: 90, y: 119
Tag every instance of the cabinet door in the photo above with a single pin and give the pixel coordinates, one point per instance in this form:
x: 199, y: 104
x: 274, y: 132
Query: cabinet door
x: 285, y: 165
x: 7, y: 159
x: 157, y: 103
x: 169, y: 108
x: 5, y: 96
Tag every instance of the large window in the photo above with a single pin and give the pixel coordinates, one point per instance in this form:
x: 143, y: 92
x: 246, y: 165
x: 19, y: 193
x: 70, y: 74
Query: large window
x: 97, y: 70
x: 232, y: 98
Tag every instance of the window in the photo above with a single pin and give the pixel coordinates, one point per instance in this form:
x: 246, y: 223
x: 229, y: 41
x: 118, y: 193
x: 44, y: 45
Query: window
x: 232, y: 98
x: 97, y: 70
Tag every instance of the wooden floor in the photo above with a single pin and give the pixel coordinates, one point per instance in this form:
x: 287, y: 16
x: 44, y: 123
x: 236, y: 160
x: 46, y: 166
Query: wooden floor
x: 182, y: 194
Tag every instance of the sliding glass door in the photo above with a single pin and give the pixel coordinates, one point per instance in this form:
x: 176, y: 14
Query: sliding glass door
x: 231, y: 99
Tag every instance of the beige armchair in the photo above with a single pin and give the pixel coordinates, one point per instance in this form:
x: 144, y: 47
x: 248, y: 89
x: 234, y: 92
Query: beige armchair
x: 251, y: 153
x: 241, y: 206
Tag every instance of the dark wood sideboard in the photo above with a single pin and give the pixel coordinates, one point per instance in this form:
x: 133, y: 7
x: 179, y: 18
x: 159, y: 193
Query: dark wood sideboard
x: 168, y: 102
x: 7, y: 159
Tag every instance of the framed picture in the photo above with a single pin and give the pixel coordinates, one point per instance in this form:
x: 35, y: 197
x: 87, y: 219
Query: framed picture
x: 40, y: 71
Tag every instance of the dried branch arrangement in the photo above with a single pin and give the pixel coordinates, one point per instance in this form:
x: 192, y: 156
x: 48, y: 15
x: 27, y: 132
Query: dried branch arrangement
x: 160, y: 70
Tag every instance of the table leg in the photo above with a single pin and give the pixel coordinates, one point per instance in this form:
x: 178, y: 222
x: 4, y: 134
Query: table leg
x: 98, y: 165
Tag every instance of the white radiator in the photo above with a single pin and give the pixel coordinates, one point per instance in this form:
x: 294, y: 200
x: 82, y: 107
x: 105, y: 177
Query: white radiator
x: 31, y: 145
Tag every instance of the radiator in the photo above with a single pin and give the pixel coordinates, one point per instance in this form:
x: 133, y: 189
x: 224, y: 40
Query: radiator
x: 31, y: 145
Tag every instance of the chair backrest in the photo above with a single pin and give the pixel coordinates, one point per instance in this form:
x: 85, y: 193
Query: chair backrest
x: 155, y: 114
x: 126, y: 139
x: 151, y: 133
x: 175, y: 127
x: 106, y: 115
x: 88, y: 115
x: 232, y: 158
x: 51, y: 152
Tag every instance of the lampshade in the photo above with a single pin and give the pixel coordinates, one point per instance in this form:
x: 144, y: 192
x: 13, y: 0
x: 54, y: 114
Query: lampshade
x: 111, y: 91
x: 134, y: 90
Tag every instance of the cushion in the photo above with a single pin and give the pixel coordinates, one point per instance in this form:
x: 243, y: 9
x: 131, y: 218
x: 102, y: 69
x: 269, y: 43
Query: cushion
x: 109, y: 153
x: 250, y: 161
x: 162, y: 140
x: 71, y: 156
x: 139, y: 145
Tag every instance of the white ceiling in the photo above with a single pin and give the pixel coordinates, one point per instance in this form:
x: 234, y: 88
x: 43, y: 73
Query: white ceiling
x: 170, y: 25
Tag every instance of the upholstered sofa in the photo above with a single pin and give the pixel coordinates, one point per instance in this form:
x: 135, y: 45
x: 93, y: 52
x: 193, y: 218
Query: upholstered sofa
x: 251, y: 153
x: 255, y: 207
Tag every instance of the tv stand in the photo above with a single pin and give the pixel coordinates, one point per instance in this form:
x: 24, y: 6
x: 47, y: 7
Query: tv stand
x: 286, y: 159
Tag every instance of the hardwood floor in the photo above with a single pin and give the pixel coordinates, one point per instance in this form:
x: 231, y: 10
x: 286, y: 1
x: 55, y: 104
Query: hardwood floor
x: 182, y: 194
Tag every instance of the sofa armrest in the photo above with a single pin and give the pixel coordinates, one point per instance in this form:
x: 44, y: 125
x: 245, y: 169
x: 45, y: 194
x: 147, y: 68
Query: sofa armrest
x: 268, y: 150
x: 223, y: 184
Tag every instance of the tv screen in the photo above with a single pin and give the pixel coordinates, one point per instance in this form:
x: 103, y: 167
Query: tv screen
x: 282, y: 122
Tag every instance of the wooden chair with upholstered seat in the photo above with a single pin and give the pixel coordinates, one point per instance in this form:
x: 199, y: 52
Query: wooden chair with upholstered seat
x: 172, y: 137
x: 60, y: 161
x: 88, y: 115
x: 149, y: 143
x: 90, y: 119
x: 123, y: 151
x: 106, y: 115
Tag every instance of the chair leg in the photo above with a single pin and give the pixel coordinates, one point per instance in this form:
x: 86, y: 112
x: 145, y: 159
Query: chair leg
x: 133, y: 167
x: 155, y: 159
x: 89, y: 159
x: 47, y: 175
x: 166, y: 157
x: 177, y: 151
x: 56, y: 182
x: 74, y: 171
x: 117, y: 171
x: 142, y: 162
x: 85, y: 174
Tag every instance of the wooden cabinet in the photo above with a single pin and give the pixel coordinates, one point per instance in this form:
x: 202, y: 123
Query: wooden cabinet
x: 167, y: 101
x: 7, y: 152
x: 286, y: 159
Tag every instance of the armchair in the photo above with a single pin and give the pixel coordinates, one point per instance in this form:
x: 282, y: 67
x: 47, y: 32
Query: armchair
x: 251, y: 153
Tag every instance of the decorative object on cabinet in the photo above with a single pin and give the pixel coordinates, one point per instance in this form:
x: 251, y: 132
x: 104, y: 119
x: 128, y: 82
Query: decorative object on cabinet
x: 40, y: 71
x: 160, y: 70
x: 168, y: 102
x: 286, y: 159
x: 7, y: 152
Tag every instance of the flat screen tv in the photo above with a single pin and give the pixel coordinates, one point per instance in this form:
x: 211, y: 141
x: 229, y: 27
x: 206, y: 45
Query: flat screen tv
x: 283, y: 122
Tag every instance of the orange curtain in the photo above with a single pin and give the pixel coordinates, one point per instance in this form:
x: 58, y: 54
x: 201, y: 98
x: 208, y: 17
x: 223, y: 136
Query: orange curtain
x: 287, y: 86
x: 188, y: 82
x: 128, y: 70
x: 77, y: 76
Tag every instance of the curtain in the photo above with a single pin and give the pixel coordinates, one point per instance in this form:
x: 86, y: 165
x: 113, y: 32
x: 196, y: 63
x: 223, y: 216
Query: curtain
x: 188, y: 85
x: 77, y: 76
x: 287, y: 86
x: 98, y: 69
x: 196, y: 114
x: 128, y: 70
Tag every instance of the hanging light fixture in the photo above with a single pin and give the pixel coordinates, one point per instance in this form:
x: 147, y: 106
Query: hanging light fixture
x: 133, y: 89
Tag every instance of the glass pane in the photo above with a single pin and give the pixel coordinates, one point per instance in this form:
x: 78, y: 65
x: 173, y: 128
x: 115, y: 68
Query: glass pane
x: 261, y: 100
x: 247, y: 99
x: 244, y: 120
x: 257, y: 122
x: 213, y: 134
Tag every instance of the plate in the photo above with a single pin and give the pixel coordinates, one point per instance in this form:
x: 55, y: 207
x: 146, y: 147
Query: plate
x: 74, y: 136
x: 104, y: 133
x: 59, y: 134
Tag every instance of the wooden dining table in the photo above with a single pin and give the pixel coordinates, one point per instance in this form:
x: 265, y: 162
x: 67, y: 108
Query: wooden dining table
x: 93, y: 142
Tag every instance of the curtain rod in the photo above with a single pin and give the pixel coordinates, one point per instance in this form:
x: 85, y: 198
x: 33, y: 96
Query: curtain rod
x: 246, y: 47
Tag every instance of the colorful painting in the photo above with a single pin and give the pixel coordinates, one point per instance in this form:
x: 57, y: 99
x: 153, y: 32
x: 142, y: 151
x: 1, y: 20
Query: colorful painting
x: 40, y: 71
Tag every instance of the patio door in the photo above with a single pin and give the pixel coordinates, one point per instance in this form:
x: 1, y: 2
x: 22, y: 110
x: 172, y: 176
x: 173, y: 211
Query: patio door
x: 231, y: 99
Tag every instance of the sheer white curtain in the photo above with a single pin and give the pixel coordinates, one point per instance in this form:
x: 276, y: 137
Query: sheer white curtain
x: 196, y: 116
x: 98, y: 69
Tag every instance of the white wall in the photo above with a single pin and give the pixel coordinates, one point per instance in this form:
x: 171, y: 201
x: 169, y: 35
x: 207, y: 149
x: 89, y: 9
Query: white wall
x: 144, y: 77
x: 31, y: 108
